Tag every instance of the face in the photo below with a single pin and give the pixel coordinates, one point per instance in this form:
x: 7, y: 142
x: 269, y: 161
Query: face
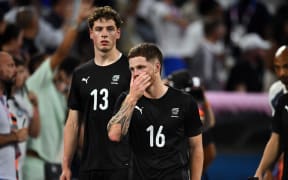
x: 139, y: 65
x: 7, y: 68
x: 281, y: 68
x: 104, y: 34
x: 62, y: 82
x: 21, y: 76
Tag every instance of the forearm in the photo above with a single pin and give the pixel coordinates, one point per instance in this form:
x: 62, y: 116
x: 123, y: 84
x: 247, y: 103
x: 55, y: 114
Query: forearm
x: 209, y: 115
x: 70, y: 143
x: 6, y: 139
x: 270, y: 154
x: 196, y: 159
x: 34, y: 126
x: 120, y: 122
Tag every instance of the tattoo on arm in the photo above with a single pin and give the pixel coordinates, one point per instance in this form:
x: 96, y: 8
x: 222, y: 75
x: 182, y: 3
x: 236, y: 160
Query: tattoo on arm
x: 123, y: 117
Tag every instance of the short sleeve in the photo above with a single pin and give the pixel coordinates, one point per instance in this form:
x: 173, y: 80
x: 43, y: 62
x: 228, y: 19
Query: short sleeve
x: 192, y: 122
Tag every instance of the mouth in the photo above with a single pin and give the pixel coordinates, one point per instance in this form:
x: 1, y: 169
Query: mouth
x: 104, y: 43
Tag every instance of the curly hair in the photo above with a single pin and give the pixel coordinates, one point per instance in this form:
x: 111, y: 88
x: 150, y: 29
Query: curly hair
x: 105, y: 12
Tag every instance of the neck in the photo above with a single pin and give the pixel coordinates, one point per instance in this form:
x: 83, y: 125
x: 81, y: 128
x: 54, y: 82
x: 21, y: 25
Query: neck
x: 106, y: 58
x: 156, y: 90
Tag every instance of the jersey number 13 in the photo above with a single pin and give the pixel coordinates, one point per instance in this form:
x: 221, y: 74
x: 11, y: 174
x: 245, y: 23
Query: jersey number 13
x: 100, y: 99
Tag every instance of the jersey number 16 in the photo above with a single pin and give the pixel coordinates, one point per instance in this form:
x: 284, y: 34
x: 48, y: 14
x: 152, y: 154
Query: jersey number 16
x: 159, y: 138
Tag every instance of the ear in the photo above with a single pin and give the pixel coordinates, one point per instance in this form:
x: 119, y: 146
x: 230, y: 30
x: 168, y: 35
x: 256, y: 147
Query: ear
x: 157, y: 67
x: 118, y: 33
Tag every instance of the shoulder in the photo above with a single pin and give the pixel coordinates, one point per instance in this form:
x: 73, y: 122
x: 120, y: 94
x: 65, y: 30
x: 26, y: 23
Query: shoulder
x: 85, y: 66
x: 275, y: 88
x: 124, y: 60
x: 180, y: 96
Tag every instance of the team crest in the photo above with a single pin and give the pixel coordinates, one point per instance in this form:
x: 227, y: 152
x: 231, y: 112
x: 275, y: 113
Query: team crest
x: 115, y: 79
x: 175, y: 112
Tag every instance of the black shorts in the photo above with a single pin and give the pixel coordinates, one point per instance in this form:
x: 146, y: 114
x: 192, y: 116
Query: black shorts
x: 117, y: 174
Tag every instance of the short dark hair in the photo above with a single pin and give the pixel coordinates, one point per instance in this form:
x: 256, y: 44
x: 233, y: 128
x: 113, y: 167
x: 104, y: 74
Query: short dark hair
x: 10, y: 33
x: 35, y: 61
x: 25, y: 16
x: 69, y: 64
x: 148, y: 50
x: 105, y: 12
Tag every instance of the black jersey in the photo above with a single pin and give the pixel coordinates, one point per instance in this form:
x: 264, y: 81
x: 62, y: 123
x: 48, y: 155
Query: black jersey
x: 158, y: 134
x: 93, y: 93
x: 280, y: 126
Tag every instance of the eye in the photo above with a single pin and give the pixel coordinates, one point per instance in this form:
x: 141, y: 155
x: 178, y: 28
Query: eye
x: 111, y: 29
x: 98, y: 29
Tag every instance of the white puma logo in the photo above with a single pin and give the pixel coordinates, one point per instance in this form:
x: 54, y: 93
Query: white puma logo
x: 139, y: 109
x: 286, y: 107
x: 85, y: 79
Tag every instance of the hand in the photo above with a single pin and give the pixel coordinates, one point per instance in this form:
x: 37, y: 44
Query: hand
x: 258, y: 175
x: 33, y: 98
x: 21, y: 134
x: 66, y: 174
x: 85, y: 9
x: 139, y: 84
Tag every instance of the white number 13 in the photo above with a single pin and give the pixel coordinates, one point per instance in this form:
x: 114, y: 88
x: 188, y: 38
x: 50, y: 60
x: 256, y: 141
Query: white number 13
x: 159, y: 139
x: 103, y: 105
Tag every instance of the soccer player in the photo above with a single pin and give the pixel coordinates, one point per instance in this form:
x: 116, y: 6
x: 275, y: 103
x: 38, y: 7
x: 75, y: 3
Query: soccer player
x: 94, y: 90
x: 165, y: 130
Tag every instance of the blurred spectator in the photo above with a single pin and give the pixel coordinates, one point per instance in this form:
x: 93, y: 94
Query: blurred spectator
x: 281, y: 25
x: 51, y: 82
x: 194, y: 35
x: 166, y: 17
x: 12, y: 41
x: 36, y: 30
x: 143, y: 20
x: 59, y: 12
x: 9, y: 137
x: 182, y: 80
x: 208, y: 62
x: 247, y: 16
x: 24, y: 106
x: 248, y: 73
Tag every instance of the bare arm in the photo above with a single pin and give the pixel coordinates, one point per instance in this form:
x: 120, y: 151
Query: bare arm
x: 64, y: 48
x: 209, y: 114
x: 16, y: 136
x: 120, y: 122
x: 34, y: 126
x: 271, y: 153
x: 196, y: 157
x: 70, y: 143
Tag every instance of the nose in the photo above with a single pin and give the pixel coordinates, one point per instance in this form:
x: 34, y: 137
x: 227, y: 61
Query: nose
x: 104, y: 33
x: 281, y: 72
x: 136, y: 73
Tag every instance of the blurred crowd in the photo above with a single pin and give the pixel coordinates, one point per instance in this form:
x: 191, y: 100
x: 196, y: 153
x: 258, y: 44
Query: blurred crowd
x: 228, y: 44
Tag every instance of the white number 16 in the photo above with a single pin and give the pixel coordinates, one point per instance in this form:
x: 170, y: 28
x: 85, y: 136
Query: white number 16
x: 159, y: 139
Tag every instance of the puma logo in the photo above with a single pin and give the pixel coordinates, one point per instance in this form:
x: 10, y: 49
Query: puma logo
x: 85, y: 79
x: 139, y: 109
